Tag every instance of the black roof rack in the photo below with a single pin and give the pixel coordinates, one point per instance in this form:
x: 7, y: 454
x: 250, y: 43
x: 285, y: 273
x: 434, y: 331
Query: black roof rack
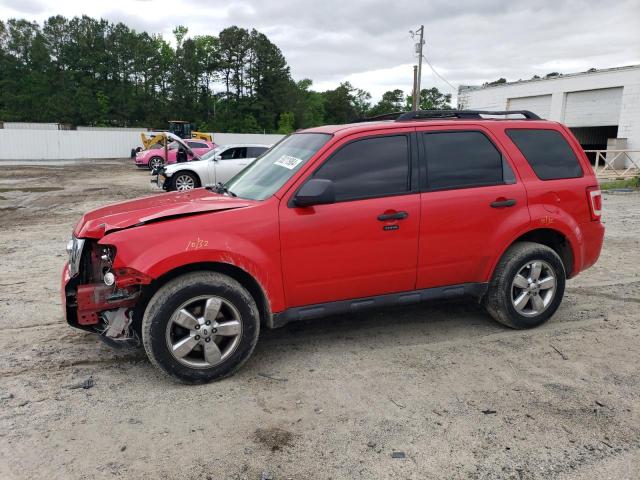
x: 461, y: 114
x: 384, y: 116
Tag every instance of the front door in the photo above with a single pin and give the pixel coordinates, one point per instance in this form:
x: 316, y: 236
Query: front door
x: 365, y: 243
x: 231, y: 162
x: 472, y: 204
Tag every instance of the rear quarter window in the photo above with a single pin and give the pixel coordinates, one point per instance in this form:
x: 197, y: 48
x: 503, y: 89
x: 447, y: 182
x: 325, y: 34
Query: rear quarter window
x: 548, y: 153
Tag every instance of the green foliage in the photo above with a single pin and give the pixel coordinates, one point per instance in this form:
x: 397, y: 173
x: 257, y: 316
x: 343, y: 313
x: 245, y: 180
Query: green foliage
x: 391, y: 101
x: 633, y: 182
x: 431, y: 99
x: 499, y: 81
x: 285, y: 124
x: 86, y: 71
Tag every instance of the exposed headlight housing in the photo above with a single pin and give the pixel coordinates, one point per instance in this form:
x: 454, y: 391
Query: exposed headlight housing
x: 74, y: 249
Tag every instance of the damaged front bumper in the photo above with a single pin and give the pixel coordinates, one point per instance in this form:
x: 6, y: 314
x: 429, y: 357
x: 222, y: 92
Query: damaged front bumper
x: 107, y: 310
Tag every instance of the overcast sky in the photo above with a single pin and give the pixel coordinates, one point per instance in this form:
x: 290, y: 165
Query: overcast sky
x: 367, y: 42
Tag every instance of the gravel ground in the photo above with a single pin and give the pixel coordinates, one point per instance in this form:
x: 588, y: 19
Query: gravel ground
x: 431, y: 391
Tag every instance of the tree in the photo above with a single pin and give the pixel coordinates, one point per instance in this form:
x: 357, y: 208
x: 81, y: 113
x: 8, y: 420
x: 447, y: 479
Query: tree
x: 391, y: 101
x: 431, y: 99
x: 345, y: 103
x: 87, y: 71
x: 285, y: 123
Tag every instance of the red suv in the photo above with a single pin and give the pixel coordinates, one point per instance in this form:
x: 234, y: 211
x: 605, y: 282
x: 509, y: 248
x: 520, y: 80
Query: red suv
x: 336, y: 219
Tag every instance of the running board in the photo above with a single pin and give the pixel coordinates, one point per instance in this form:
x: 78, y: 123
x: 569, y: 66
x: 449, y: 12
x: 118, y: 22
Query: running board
x: 380, y: 301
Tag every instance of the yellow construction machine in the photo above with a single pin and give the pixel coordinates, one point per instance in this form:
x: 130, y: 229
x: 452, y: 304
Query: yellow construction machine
x: 179, y: 128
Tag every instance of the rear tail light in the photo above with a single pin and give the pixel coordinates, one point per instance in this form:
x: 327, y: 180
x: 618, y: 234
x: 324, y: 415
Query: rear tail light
x: 594, y: 196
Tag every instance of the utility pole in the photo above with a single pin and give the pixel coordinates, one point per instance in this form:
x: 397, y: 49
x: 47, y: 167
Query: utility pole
x: 419, y: 45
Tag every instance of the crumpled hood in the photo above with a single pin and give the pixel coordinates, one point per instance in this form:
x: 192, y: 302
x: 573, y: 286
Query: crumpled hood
x: 117, y: 216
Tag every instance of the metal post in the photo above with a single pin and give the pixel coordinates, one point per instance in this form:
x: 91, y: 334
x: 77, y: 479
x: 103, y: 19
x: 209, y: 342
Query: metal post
x: 414, y: 102
x: 419, y: 52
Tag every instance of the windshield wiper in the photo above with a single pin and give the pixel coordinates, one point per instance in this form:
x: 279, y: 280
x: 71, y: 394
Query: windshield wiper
x: 220, y: 188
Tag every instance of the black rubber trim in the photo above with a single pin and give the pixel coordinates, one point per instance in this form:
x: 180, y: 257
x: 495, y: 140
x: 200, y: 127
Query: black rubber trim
x: 393, y: 299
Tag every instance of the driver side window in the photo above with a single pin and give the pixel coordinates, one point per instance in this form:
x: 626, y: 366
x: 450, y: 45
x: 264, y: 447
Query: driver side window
x: 370, y: 167
x: 234, y: 153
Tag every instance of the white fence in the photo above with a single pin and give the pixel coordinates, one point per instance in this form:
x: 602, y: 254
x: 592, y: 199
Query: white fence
x: 229, y: 138
x: 30, y: 126
x: 65, y: 144
x: 29, y: 144
x: 616, y: 163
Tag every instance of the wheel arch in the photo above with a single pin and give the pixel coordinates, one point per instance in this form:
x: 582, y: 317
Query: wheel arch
x: 241, y: 276
x: 550, y: 237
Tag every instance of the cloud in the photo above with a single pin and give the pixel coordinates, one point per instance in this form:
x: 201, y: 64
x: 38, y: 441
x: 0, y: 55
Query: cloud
x: 367, y: 42
x: 30, y: 7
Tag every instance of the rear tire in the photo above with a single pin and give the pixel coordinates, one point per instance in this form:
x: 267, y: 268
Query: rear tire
x: 175, y: 328
x: 155, y: 162
x: 527, y: 286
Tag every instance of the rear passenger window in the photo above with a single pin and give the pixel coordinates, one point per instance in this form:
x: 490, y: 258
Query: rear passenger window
x: 371, y: 167
x: 197, y: 145
x: 463, y: 159
x: 547, y: 152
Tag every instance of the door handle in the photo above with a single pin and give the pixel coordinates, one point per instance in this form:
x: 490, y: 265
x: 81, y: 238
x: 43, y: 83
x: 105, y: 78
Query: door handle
x: 393, y: 216
x: 503, y: 203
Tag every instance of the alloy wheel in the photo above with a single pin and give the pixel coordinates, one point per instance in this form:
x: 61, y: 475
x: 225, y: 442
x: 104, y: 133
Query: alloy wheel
x: 155, y: 163
x: 533, y: 288
x: 203, y: 332
x: 185, y: 182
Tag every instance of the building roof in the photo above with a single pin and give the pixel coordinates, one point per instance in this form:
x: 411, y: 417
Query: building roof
x: 464, y: 88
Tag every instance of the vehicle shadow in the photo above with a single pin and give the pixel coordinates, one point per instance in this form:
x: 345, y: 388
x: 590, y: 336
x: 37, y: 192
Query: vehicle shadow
x: 421, y: 324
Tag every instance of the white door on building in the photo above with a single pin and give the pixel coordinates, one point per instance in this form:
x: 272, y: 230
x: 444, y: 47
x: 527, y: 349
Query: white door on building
x: 539, y: 104
x: 593, y: 108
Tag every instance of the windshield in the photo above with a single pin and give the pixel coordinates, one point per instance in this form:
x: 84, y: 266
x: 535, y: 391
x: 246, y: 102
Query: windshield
x: 277, y: 165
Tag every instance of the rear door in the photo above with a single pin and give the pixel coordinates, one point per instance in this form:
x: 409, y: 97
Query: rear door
x: 364, y: 244
x: 472, y: 202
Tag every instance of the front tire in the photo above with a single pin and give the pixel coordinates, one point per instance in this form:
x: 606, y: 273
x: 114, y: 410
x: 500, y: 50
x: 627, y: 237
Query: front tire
x: 527, y: 286
x: 200, y: 327
x: 185, y: 181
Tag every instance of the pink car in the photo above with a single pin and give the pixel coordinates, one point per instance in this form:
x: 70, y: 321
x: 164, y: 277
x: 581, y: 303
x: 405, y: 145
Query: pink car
x: 155, y: 157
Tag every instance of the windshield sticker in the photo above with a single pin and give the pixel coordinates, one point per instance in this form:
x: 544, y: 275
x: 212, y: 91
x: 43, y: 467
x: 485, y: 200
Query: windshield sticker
x: 287, y: 161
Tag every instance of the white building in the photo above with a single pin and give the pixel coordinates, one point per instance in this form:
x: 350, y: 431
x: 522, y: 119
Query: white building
x: 602, y: 107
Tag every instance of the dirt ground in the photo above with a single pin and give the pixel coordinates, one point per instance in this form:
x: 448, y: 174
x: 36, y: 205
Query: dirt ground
x: 431, y: 391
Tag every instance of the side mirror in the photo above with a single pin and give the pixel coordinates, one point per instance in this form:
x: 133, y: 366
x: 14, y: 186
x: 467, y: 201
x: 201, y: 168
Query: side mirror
x: 316, y: 191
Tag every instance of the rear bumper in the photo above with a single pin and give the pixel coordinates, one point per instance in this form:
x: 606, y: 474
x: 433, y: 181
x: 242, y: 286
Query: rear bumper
x: 593, y: 237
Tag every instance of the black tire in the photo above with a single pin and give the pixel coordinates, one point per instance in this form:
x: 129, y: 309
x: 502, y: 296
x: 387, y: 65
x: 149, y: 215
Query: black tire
x: 193, y: 176
x: 498, y: 299
x: 153, y: 160
x: 175, y: 293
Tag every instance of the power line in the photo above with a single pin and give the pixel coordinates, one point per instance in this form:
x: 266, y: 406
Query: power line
x: 440, y: 76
